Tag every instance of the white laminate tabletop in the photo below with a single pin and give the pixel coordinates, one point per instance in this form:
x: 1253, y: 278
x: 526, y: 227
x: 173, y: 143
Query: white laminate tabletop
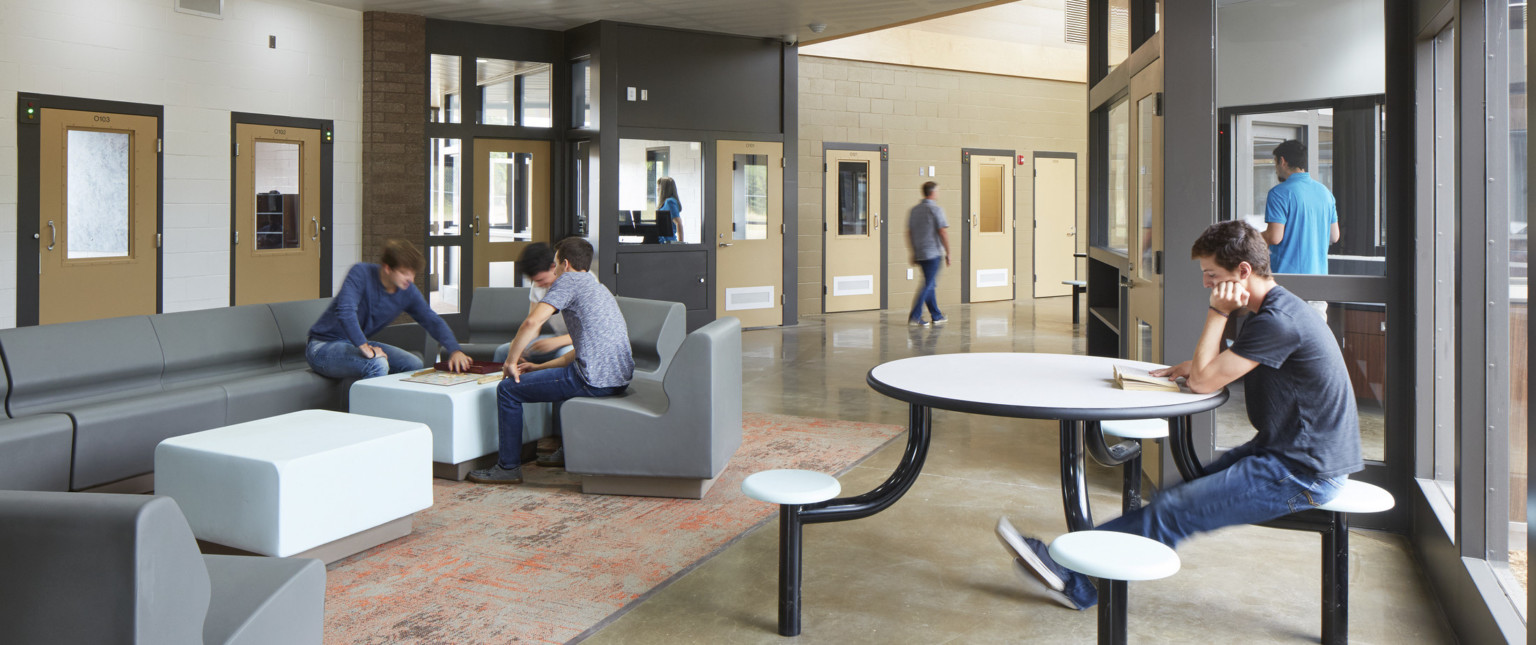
x: 1041, y: 386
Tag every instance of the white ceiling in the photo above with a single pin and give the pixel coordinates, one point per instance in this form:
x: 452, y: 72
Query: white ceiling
x: 766, y: 18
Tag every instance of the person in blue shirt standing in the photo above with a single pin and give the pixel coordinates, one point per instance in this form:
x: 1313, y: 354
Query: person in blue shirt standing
x: 1300, y: 216
x: 370, y: 298
x: 666, y: 191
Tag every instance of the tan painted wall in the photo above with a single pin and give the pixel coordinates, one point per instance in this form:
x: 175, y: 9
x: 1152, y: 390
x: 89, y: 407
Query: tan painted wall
x: 926, y: 116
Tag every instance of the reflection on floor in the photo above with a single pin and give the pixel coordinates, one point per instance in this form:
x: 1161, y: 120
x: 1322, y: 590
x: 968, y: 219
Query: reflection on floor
x: 928, y: 569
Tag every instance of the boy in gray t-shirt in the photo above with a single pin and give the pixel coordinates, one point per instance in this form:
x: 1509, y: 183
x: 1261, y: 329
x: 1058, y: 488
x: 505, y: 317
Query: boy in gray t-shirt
x: 602, y: 364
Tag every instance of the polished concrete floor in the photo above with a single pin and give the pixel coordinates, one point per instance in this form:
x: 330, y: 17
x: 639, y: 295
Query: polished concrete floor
x: 928, y: 569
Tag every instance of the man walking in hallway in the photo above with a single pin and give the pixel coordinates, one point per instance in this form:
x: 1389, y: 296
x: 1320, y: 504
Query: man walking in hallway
x: 1300, y: 215
x: 927, y: 240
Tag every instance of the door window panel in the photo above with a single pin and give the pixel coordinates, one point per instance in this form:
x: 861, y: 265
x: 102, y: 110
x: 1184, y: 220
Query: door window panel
x: 852, y: 198
x: 445, y: 180
x: 277, y: 195
x: 511, y: 205
x: 97, y: 179
x: 991, y: 198
x: 749, y: 208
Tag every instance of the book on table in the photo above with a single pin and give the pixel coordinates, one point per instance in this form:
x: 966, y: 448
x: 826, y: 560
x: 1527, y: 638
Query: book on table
x: 1131, y: 378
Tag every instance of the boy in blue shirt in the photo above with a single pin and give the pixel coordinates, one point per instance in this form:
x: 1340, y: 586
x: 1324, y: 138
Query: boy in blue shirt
x: 1300, y: 215
x: 371, y: 297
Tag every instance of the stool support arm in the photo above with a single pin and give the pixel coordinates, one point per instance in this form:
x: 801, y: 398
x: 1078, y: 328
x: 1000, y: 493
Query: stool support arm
x: 919, y: 430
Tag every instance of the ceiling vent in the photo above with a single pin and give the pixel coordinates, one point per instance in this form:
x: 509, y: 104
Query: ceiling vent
x: 204, y: 8
x: 1076, y: 27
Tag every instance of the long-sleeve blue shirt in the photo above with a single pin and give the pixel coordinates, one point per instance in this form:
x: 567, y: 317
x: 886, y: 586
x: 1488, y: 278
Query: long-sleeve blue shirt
x: 362, y: 307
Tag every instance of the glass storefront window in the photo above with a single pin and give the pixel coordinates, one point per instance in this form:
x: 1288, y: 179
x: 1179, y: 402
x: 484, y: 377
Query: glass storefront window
x: 1119, y: 32
x: 444, y: 186
x: 1119, y: 175
x: 443, y: 279
x: 1518, y: 304
x: 513, y: 92
x: 445, y: 100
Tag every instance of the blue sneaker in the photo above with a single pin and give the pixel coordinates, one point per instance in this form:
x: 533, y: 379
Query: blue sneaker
x: 1032, y: 560
x: 940, y: 320
x: 917, y: 322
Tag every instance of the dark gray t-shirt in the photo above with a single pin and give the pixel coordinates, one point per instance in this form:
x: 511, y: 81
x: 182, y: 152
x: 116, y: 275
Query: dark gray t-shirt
x: 923, y: 225
x: 1299, y: 395
x: 598, y: 332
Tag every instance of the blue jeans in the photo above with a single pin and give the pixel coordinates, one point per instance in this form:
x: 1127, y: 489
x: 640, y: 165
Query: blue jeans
x: 554, y: 386
x: 342, y: 359
x: 1241, y: 488
x: 927, y: 296
x: 506, y: 348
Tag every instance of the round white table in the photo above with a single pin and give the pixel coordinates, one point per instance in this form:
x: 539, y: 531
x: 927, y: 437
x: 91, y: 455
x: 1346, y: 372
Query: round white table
x: 1076, y: 390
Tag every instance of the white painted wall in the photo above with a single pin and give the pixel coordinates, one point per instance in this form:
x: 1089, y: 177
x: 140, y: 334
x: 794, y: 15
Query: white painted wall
x: 1274, y: 51
x: 200, y: 69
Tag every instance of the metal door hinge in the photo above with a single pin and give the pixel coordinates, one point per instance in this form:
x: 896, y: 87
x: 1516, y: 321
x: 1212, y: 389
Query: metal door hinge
x: 1157, y: 106
x: 159, y: 145
x: 159, y: 240
x: 781, y: 298
x: 237, y: 149
x: 615, y: 268
x: 237, y: 238
x: 783, y: 162
x: 733, y: 165
x: 823, y: 290
x: 781, y: 229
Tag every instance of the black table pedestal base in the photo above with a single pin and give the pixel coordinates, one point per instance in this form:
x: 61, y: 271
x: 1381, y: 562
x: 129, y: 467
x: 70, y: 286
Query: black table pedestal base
x: 1112, y: 598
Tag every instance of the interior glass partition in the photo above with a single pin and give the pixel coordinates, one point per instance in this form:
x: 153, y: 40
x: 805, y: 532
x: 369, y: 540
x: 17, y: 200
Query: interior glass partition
x: 643, y: 164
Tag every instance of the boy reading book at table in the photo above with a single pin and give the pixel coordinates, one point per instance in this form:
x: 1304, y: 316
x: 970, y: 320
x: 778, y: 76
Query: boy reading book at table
x: 1298, y: 397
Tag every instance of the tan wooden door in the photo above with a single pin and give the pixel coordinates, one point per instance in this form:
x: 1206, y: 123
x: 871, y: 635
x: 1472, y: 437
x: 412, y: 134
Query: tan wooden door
x: 1145, y: 298
x: 511, y: 204
x: 277, y: 214
x: 1055, y: 225
x: 97, y: 216
x: 852, y: 275
x: 749, y: 232
x: 991, y: 241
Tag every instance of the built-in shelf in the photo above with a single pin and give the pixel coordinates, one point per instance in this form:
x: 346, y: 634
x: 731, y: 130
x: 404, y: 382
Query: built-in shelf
x: 1107, y: 315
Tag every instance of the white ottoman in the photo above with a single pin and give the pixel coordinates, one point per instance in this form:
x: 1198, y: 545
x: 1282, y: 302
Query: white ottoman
x: 313, y: 483
x: 462, y: 418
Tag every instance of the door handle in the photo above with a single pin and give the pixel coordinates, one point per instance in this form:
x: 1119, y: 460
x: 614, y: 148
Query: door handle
x: 316, y: 222
x: 722, y: 245
x: 475, y: 230
x: 53, y: 235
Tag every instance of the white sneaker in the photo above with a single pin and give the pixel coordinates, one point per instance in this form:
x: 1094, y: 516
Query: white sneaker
x: 1031, y: 575
x: 1024, y: 555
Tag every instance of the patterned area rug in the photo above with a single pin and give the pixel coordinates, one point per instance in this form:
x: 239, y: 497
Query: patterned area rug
x: 543, y: 563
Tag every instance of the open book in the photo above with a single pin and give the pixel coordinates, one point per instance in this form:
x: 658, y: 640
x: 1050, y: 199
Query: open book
x: 1130, y: 378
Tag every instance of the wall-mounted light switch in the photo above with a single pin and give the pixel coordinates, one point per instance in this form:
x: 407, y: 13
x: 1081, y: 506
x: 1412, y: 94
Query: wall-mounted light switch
x: 630, y: 93
x: 645, y: 95
x: 909, y: 274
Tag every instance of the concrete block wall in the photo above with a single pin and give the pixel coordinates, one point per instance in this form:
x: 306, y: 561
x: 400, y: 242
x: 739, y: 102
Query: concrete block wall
x: 927, y: 116
x: 200, y: 69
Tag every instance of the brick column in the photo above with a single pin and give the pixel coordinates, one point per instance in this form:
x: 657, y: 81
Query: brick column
x: 394, y: 131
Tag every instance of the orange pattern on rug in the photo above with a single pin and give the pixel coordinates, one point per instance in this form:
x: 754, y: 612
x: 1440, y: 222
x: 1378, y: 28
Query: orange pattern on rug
x: 543, y: 563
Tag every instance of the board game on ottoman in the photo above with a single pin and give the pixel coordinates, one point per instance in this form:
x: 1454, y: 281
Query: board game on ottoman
x: 313, y: 483
x: 459, y: 408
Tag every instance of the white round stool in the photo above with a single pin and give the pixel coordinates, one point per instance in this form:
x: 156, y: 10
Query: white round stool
x: 790, y: 489
x: 1360, y: 497
x: 1136, y: 428
x: 1114, y: 558
x: 1355, y: 497
x: 1155, y: 429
